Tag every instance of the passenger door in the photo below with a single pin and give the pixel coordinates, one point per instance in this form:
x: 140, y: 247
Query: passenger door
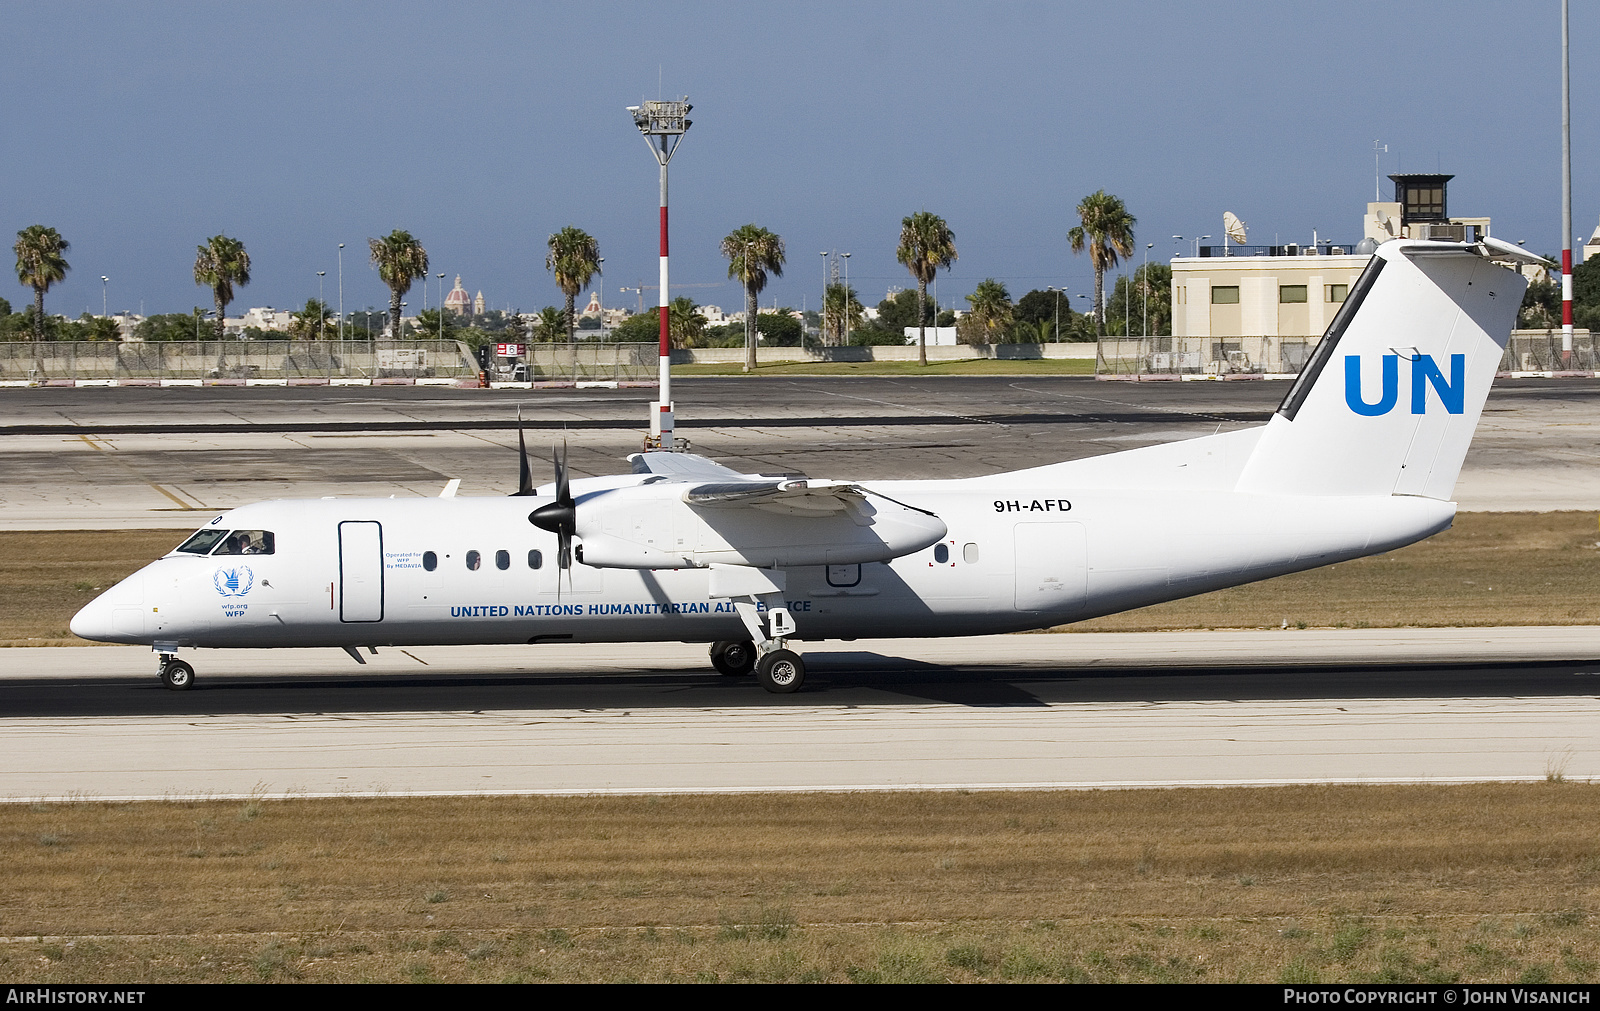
x: 360, y: 571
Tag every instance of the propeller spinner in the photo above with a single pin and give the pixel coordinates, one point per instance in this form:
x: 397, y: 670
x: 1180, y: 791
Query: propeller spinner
x: 561, y: 516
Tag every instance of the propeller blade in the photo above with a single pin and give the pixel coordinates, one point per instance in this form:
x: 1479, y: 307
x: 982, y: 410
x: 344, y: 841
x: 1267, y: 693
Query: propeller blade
x: 563, y: 489
x: 561, y: 516
x: 525, y: 473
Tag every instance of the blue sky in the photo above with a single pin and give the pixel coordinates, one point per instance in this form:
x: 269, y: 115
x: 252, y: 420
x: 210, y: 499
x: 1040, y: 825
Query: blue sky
x: 138, y: 130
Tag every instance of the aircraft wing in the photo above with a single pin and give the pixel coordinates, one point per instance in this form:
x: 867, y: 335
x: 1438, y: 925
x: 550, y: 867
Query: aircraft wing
x: 684, y: 467
x: 780, y: 495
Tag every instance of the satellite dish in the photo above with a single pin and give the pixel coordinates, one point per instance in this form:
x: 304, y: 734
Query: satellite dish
x: 1233, y: 227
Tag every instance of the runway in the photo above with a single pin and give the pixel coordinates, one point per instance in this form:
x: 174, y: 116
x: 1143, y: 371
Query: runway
x: 105, y: 458
x: 1010, y: 712
x: 1073, y: 710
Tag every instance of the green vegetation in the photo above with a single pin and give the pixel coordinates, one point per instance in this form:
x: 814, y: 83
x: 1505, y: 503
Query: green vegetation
x: 401, y: 261
x: 926, y: 244
x: 40, y: 264
x: 1482, y: 883
x: 219, y: 265
x: 1106, y: 230
x: 752, y: 253
x: 574, y: 259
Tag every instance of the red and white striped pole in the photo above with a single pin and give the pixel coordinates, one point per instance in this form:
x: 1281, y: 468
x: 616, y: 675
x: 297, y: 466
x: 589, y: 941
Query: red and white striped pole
x: 1566, y: 198
x: 663, y: 125
x: 661, y: 420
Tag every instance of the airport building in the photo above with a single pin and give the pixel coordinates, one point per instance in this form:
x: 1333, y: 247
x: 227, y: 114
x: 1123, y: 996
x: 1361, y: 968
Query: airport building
x: 1257, y: 309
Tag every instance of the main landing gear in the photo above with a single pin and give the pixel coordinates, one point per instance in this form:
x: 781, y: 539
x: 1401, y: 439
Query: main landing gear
x: 175, y: 674
x: 733, y: 657
x: 779, y: 669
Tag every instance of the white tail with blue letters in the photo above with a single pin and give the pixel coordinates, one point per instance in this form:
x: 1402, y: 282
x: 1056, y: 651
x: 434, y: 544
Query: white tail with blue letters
x: 1388, y: 403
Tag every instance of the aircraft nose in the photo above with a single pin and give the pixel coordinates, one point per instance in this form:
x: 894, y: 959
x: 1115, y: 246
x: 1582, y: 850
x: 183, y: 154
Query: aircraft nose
x: 94, y: 621
x: 117, y: 615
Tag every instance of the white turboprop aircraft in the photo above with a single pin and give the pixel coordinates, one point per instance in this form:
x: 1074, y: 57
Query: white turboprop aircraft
x: 1361, y: 457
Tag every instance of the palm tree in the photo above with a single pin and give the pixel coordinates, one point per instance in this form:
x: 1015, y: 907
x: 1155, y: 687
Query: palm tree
x: 992, y: 311
x: 926, y: 244
x: 685, y: 323
x: 400, y: 260
x: 39, y: 265
x: 1107, y: 230
x: 219, y: 265
x: 310, y: 322
x: 752, y: 252
x: 574, y: 258
x: 550, y: 325
x: 841, y: 311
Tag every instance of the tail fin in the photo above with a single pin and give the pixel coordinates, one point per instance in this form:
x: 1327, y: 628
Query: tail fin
x: 1390, y: 398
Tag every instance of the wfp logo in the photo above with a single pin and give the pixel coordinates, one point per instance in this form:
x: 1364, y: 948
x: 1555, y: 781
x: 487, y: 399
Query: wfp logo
x: 234, y: 582
x: 1424, y: 373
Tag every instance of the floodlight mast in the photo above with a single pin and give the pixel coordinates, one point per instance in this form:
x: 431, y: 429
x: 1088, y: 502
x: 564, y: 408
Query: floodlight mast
x: 663, y: 124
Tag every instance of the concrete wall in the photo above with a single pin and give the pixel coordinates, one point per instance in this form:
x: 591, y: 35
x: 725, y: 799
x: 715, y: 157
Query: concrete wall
x: 961, y: 352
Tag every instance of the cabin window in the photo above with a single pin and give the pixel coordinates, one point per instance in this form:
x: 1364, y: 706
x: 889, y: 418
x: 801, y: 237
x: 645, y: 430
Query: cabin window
x: 1225, y: 295
x: 941, y: 553
x: 202, y: 542
x: 430, y: 561
x: 535, y: 558
x: 969, y: 554
x: 474, y: 560
x: 502, y: 560
x: 1291, y: 293
x: 1336, y: 292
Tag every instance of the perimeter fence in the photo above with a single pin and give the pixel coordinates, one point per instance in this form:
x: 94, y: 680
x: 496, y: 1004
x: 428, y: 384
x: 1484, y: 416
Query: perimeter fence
x: 1527, y: 351
x: 233, y: 361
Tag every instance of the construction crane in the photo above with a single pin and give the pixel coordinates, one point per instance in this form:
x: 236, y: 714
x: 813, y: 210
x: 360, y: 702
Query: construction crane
x: 640, y: 289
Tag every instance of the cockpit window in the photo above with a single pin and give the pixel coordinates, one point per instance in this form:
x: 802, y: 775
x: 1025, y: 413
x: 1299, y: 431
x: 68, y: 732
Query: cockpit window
x: 246, y: 542
x: 202, y: 542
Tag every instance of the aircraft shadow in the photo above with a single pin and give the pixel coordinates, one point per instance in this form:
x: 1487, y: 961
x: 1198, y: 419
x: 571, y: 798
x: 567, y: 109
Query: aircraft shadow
x: 833, y: 679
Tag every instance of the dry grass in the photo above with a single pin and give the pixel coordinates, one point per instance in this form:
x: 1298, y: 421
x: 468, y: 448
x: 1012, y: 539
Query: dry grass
x: 1484, y: 883
x: 46, y: 575
x: 1491, y: 569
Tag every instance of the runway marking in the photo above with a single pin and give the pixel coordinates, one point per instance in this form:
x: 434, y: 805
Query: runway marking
x: 181, y: 504
x: 82, y: 797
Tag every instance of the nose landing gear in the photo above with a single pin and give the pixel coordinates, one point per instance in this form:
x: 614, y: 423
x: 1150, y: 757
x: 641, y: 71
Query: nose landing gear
x: 175, y: 674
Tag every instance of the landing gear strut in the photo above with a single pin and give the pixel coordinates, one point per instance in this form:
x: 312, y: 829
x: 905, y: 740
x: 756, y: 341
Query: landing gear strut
x: 733, y: 657
x: 175, y: 674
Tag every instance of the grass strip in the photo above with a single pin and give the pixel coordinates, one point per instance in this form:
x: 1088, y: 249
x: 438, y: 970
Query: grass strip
x: 1490, y: 569
x: 1483, y: 883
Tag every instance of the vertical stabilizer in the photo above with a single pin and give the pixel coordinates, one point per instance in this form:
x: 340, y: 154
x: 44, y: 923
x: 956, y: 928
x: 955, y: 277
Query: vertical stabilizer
x: 1390, y: 398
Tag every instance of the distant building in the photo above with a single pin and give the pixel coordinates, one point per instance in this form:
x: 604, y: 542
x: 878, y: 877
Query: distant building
x: 1592, y: 247
x: 262, y: 318
x: 941, y: 336
x: 458, y: 301
x: 1244, y: 308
